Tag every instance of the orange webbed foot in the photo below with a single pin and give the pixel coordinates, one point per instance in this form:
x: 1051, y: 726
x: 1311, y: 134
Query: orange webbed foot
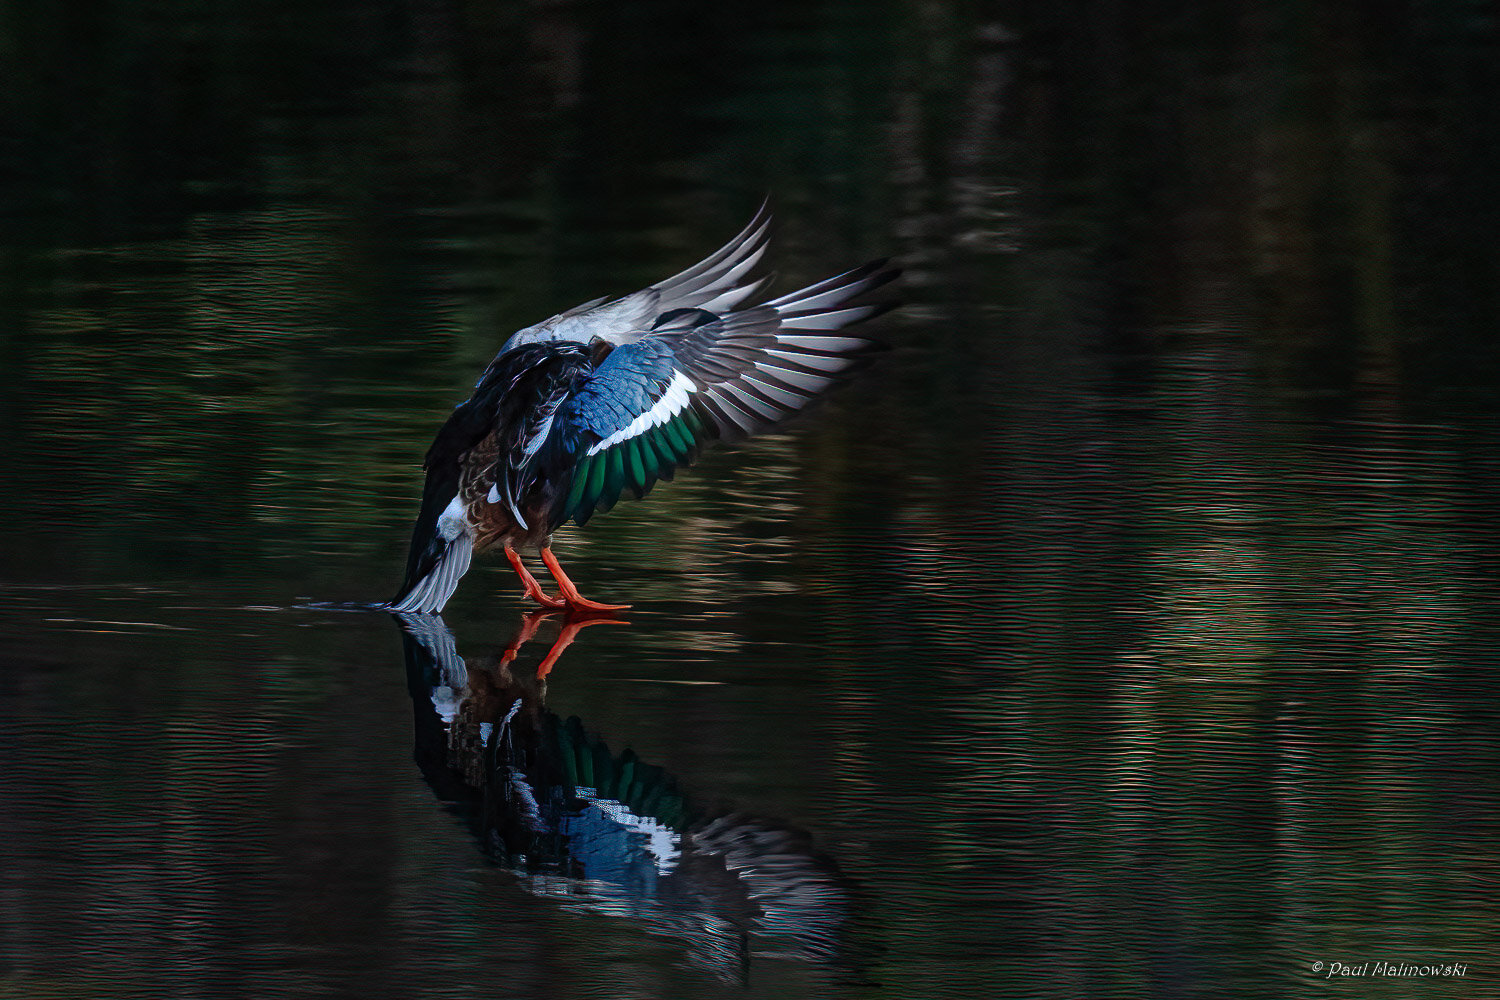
x: 548, y: 603
x: 569, y: 592
x: 583, y: 605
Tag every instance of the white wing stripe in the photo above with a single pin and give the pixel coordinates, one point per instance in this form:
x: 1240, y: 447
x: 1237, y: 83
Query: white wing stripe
x: 671, y: 403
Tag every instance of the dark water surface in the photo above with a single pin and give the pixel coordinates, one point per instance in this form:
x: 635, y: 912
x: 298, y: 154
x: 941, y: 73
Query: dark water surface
x: 1130, y: 630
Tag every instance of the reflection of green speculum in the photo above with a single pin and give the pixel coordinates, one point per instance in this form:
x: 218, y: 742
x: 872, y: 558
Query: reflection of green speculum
x: 549, y: 800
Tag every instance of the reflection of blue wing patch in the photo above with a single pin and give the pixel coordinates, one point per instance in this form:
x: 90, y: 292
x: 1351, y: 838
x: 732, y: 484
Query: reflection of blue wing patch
x: 613, y: 844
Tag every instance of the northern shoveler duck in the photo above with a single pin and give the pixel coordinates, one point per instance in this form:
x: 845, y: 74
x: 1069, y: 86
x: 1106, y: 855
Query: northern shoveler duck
x: 611, y: 396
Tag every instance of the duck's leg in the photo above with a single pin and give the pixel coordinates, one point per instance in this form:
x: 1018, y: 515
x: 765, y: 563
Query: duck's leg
x: 533, y: 589
x: 570, y: 593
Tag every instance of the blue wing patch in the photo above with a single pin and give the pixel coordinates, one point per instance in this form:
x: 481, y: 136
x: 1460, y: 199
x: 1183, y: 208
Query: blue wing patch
x: 626, y: 384
x: 630, y: 424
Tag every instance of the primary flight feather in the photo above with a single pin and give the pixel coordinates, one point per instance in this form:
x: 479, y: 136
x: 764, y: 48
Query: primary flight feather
x: 611, y: 396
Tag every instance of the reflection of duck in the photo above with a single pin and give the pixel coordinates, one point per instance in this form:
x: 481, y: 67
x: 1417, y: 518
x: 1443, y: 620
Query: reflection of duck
x: 549, y: 801
x: 612, y: 396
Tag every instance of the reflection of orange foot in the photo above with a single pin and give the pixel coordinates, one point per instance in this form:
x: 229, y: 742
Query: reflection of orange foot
x: 572, y: 625
x: 569, y: 593
x: 529, y: 624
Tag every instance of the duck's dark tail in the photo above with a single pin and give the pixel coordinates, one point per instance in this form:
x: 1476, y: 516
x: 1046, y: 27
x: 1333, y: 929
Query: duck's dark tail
x: 445, y: 563
x: 441, y: 548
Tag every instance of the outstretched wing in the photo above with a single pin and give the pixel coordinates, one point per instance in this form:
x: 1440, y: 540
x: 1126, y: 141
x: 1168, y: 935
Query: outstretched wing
x: 650, y: 406
x: 715, y: 283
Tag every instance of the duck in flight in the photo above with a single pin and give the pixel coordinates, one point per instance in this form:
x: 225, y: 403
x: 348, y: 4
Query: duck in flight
x: 611, y: 396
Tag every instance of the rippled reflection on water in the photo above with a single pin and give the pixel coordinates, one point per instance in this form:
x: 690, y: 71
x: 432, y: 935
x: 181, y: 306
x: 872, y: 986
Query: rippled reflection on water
x: 1126, y: 632
x: 610, y: 832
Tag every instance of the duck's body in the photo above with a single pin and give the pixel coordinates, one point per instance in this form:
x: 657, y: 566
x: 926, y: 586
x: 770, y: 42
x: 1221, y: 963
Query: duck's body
x: 613, y: 396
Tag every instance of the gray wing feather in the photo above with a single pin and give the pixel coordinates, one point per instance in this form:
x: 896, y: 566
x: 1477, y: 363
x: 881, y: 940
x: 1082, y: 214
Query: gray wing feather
x: 756, y: 367
x: 718, y: 272
x: 715, y: 283
x: 749, y: 370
